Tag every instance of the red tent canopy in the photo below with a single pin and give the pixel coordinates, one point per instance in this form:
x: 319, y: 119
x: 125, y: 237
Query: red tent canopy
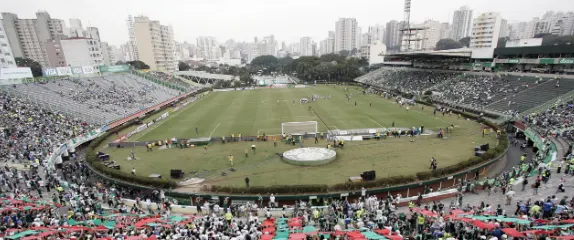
x: 300, y: 236
x: 134, y: 238
x: 153, y: 237
x: 267, y: 237
x: 144, y: 222
x: 512, y: 232
x: 267, y: 224
x: 538, y: 232
x: 30, y: 238
x: 394, y: 237
x: 568, y: 221
x: 483, y: 225
x: 563, y: 237
x: 383, y: 231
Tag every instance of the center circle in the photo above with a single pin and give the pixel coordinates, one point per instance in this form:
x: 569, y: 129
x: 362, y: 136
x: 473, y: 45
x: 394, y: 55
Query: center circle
x: 311, y: 156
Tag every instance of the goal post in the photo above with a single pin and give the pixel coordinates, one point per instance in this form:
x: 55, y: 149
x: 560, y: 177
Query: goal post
x: 299, y: 127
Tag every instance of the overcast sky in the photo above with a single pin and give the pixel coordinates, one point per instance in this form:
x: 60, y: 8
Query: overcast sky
x: 242, y: 20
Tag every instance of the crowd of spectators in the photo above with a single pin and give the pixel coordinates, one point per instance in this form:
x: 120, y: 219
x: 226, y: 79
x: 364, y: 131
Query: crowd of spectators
x: 30, y: 133
x: 557, y: 120
x: 113, y: 97
x: 103, y: 98
x: 74, y: 203
x: 407, y: 80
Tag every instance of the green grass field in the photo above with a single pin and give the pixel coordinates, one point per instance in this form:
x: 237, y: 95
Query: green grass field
x: 262, y: 111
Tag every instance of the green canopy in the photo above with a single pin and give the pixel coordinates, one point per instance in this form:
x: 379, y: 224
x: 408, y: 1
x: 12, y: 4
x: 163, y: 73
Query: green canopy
x: 309, y: 229
x: 72, y: 222
x: 515, y: 220
x: 177, y: 218
x: 22, y: 234
x: 97, y: 222
x: 110, y: 224
x: 550, y: 227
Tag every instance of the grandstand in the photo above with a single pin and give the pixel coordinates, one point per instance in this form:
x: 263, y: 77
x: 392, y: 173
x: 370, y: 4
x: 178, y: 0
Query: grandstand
x: 204, y: 77
x: 538, y: 94
x: 99, y: 99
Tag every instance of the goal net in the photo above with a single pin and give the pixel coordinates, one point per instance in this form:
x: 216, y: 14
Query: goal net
x: 299, y: 127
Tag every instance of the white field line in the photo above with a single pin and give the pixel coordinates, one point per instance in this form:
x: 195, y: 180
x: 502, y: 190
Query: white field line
x: 372, y: 120
x: 214, y: 130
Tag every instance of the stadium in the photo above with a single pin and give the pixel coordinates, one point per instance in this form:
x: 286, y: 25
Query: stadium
x: 421, y: 128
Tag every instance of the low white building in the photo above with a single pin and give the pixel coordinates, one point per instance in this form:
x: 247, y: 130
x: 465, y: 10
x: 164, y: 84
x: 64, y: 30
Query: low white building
x: 82, y: 52
x: 377, y: 50
x: 528, y: 42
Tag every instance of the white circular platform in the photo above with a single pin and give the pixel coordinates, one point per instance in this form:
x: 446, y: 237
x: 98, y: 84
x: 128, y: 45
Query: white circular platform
x: 311, y: 156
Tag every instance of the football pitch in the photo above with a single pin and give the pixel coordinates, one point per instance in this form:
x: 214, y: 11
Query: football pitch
x: 255, y: 112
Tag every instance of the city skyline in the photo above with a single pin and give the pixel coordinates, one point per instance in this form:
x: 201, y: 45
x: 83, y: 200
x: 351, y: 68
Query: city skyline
x: 241, y: 21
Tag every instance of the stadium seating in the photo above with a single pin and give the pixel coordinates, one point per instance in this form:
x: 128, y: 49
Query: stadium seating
x: 407, y: 80
x: 532, y: 97
x: 98, y: 99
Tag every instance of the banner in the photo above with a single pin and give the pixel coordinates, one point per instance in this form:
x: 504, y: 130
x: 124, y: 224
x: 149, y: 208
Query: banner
x: 77, y: 71
x: 64, y: 71
x: 566, y: 61
x: 547, y: 61
x: 88, y: 70
x: 50, y: 72
x: 14, y: 74
x: 115, y: 68
x: 514, y: 61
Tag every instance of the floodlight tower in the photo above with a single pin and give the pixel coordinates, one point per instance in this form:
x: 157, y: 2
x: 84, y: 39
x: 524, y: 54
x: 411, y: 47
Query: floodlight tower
x: 409, y: 34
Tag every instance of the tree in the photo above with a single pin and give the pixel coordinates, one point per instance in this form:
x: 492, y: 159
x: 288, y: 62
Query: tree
x: 447, y: 43
x: 465, y: 41
x: 139, y: 65
x: 344, y: 53
x: 332, y: 57
x: 264, y: 61
x: 34, y: 66
x: 119, y: 63
x: 502, y: 42
x: 183, y: 66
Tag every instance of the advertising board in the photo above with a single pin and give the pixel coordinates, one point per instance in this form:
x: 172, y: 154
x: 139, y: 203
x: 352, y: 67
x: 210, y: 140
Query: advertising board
x: 14, y: 75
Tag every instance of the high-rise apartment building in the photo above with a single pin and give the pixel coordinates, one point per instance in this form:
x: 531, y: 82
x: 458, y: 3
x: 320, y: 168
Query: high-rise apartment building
x: 132, y: 47
x: 377, y: 32
x: 445, y: 30
x: 75, y: 29
x: 431, y: 35
x: 346, y: 34
x: 269, y: 45
x: 365, y: 39
x: 486, y: 30
x: 327, y: 46
x: 461, y: 23
x: 56, y: 57
x: 108, y: 53
x: 305, y: 45
x: 155, y: 44
x: 393, y: 35
x: 82, y: 52
x: 27, y: 36
x: 6, y: 55
x: 207, y: 48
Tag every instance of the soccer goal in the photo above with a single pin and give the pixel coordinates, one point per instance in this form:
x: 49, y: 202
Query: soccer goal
x: 299, y: 127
